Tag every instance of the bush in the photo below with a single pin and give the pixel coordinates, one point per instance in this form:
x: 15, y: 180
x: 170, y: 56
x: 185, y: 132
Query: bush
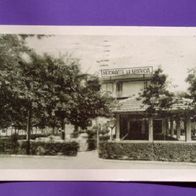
x: 92, y: 143
x: 104, y: 138
x: 14, y: 145
x: 157, y: 151
x: 181, y: 152
x: 4, y: 143
x: 9, y: 145
x: 92, y: 138
x: 52, y: 148
x: 33, y: 136
x: 129, y: 151
x: 23, y: 137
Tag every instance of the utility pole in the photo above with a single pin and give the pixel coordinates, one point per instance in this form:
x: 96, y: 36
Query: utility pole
x: 29, y: 129
x: 104, y: 61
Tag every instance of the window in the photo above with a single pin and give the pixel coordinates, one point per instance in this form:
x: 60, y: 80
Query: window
x: 119, y: 89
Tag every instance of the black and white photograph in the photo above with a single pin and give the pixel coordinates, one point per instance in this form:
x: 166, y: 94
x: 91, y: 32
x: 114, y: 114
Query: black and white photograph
x: 92, y: 99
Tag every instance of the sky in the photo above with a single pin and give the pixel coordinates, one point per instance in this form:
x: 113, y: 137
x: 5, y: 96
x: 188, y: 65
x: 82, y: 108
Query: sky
x: 175, y: 54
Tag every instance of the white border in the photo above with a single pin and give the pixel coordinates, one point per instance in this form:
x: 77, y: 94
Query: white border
x: 151, y: 175
x: 99, y: 174
x: 99, y: 30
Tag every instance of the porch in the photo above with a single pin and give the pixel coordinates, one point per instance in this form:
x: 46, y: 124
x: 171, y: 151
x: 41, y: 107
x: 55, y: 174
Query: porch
x: 169, y: 135
x: 134, y: 123
x: 132, y: 127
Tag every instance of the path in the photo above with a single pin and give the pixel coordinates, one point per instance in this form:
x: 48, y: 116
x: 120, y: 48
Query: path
x: 84, y: 160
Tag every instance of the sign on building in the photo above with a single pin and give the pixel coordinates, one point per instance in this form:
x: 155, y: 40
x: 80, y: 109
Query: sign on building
x: 126, y: 71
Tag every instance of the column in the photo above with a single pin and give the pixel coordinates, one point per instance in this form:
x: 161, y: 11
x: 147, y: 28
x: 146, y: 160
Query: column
x: 111, y: 133
x: 184, y: 127
x: 150, y: 129
x: 194, y: 125
x: 178, y: 129
x: 188, y: 130
x: 114, y: 90
x: 167, y: 126
x: 117, y: 127
x: 128, y: 125
x: 64, y: 131
x: 172, y: 127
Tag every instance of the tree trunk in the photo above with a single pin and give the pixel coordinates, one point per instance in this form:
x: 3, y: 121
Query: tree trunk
x: 63, y: 129
x: 76, y: 131
x: 12, y: 130
x: 97, y: 135
x: 29, y: 130
x: 53, y: 130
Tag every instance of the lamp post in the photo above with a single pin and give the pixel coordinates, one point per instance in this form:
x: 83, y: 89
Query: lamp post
x: 98, y: 131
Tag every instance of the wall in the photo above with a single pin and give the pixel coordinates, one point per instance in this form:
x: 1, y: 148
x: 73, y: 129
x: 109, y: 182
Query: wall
x: 130, y: 88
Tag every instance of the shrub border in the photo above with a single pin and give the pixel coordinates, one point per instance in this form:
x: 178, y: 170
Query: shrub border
x: 69, y: 148
x: 152, y: 151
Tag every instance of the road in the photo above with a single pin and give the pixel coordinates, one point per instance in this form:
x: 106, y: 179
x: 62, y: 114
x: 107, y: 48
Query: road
x: 84, y: 160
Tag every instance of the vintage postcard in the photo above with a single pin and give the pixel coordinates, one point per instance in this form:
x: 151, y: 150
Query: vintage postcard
x: 97, y: 103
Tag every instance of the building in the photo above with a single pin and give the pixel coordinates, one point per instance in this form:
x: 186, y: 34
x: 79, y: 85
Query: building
x: 132, y: 121
x: 125, y: 83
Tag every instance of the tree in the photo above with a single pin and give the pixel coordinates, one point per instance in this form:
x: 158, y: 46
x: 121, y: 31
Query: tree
x: 73, y: 97
x: 89, y: 102
x: 156, y: 95
x: 40, y: 90
x: 191, y: 79
x: 46, y: 87
x: 11, y: 50
x: 70, y: 96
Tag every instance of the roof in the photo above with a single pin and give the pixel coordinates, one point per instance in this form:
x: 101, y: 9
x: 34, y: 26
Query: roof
x: 182, y: 104
x: 130, y: 105
x: 133, y: 105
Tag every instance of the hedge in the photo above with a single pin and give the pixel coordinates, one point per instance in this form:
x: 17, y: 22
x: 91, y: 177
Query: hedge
x: 52, y: 148
x: 11, y: 146
x: 155, y: 151
x: 23, y: 137
x: 180, y: 152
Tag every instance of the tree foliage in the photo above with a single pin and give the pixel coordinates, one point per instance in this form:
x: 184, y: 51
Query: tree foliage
x: 11, y: 50
x: 156, y: 95
x: 89, y: 103
x: 49, y: 91
x: 191, y: 79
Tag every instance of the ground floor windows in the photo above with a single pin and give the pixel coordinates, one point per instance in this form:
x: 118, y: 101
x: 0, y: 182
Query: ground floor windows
x: 129, y: 127
x: 133, y: 129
